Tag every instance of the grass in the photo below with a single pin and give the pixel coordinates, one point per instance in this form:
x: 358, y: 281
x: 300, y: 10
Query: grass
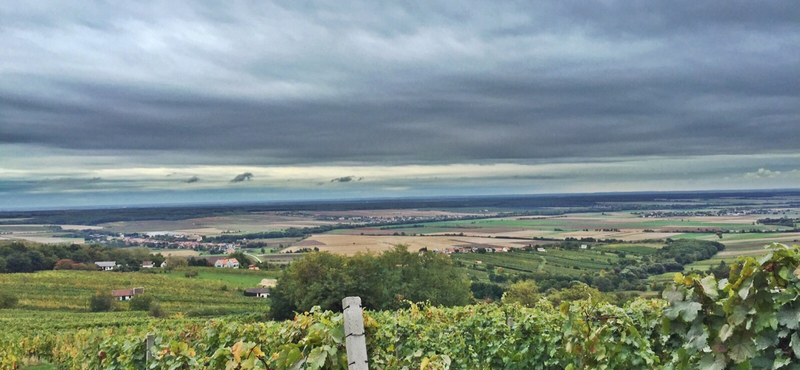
x: 235, y: 278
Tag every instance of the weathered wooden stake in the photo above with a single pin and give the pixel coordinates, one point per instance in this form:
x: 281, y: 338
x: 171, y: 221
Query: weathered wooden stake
x: 355, y: 338
x: 149, y: 344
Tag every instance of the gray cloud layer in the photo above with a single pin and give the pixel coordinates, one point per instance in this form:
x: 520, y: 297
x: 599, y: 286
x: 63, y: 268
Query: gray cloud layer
x: 304, y: 99
x: 304, y: 82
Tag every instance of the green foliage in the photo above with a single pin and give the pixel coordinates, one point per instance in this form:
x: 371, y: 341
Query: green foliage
x: 244, y: 261
x: 750, y: 320
x: 576, y: 292
x: 174, y: 262
x: 8, y: 300
x: 31, y: 257
x: 382, y: 281
x: 525, y: 293
x: 101, y: 302
x: 191, y: 273
x: 490, y: 291
x: 155, y: 310
x: 141, y: 302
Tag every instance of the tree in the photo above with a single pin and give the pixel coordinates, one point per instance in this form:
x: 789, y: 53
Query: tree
x: 101, y: 302
x: 2, y: 265
x: 382, y: 281
x: 486, y: 291
x: 157, y: 259
x: 176, y: 262
x: 141, y: 302
x: 578, y: 291
x: 244, y: 262
x: 524, y: 292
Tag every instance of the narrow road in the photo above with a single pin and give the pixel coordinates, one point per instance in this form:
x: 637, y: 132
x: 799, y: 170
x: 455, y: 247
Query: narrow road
x: 248, y: 254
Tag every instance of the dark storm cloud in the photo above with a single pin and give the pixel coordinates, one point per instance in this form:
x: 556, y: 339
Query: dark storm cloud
x: 343, y: 179
x: 294, y: 83
x: 247, y: 176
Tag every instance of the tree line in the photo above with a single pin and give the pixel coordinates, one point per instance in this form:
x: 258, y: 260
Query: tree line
x: 382, y: 281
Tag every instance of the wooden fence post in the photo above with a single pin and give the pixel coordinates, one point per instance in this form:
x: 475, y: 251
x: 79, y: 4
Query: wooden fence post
x: 149, y: 345
x: 355, y: 338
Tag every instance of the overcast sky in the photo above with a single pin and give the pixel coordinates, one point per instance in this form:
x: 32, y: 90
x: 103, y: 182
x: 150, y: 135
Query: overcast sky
x: 124, y: 102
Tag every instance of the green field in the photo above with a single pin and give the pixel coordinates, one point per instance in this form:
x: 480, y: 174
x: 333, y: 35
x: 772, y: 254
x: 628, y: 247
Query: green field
x: 562, y: 262
x: 234, y: 278
x: 641, y: 250
x: 70, y: 291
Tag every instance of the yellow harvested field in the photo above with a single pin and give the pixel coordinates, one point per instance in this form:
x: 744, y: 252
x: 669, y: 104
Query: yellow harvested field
x: 352, y: 244
x: 179, y: 253
x: 623, y: 234
x: 387, y: 213
x: 80, y: 227
x: 786, y: 238
x: 63, y: 227
x: 200, y: 231
x: 44, y: 239
x: 517, y: 234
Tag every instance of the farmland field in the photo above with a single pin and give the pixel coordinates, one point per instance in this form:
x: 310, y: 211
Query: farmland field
x: 553, y: 261
x: 351, y: 244
x: 70, y: 290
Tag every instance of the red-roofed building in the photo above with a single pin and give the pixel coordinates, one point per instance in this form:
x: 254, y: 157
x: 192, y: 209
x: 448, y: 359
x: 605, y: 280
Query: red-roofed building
x: 126, y: 294
x: 231, y: 263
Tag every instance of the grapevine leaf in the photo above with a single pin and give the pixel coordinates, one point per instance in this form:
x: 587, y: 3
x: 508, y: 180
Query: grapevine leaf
x: 316, y: 359
x: 785, y: 273
x: 337, y: 333
x: 687, y: 310
x: 796, y: 345
x: 709, y: 285
x: 738, y: 315
x: 789, y: 316
x: 725, y: 332
x: 711, y: 362
x: 765, y: 258
x: 741, y: 349
x: 744, y: 289
x: 672, y: 294
x: 697, y: 337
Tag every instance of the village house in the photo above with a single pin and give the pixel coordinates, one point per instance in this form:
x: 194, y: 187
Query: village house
x: 257, y: 292
x: 148, y: 264
x: 230, y: 263
x: 126, y: 294
x: 106, y: 265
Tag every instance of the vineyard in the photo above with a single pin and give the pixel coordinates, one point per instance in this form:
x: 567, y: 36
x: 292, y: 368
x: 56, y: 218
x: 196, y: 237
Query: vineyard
x: 70, y: 290
x: 750, y: 320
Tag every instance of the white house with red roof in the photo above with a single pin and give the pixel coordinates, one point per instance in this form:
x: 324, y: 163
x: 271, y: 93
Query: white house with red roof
x: 227, y: 262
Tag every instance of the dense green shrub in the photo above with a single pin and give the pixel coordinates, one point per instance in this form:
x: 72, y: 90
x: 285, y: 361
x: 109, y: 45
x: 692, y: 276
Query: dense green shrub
x: 8, y: 300
x: 141, y: 302
x: 101, y: 302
